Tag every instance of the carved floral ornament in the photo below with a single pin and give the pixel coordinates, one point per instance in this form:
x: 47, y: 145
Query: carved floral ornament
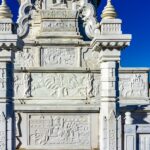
x: 24, y: 15
x: 86, y: 12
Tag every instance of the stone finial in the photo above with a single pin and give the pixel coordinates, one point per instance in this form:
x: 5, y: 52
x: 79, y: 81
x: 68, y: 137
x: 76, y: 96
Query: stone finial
x: 128, y: 118
x: 109, y: 11
x: 5, y: 12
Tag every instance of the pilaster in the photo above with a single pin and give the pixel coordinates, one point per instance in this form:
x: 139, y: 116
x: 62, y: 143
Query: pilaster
x: 109, y: 45
x: 9, y: 43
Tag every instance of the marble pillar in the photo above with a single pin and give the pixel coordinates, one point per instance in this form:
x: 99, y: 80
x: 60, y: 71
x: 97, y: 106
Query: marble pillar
x: 109, y: 45
x: 9, y: 43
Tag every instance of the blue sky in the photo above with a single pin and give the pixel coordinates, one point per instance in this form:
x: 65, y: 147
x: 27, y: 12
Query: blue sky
x: 136, y: 21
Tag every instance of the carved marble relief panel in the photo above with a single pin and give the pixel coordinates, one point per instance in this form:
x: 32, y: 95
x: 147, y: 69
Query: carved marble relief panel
x: 90, y: 59
x: 26, y: 58
x: 2, y: 78
x: 57, y: 129
x: 54, y: 4
x: 46, y: 131
x: 59, y: 85
x: 133, y: 85
x: 96, y: 86
x: 63, y: 85
x: 22, y: 85
x: 60, y: 57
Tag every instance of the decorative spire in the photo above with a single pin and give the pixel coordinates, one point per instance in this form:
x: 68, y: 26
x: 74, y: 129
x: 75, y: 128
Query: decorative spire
x: 109, y: 11
x: 5, y: 12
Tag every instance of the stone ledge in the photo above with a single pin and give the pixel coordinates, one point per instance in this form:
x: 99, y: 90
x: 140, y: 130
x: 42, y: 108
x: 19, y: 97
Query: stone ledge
x: 55, y: 69
x: 59, y: 109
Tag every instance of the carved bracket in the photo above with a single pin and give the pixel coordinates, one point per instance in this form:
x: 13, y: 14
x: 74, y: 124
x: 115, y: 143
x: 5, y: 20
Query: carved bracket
x: 87, y: 13
x: 24, y: 16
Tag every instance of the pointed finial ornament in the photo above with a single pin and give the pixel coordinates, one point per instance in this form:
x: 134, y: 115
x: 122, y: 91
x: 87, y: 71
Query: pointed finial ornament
x: 109, y: 11
x: 5, y: 12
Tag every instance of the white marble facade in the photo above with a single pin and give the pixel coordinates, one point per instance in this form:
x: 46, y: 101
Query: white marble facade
x: 61, y: 83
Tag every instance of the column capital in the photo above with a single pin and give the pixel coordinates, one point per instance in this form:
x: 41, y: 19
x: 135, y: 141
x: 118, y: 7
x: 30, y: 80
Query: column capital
x: 111, y: 40
x: 110, y: 46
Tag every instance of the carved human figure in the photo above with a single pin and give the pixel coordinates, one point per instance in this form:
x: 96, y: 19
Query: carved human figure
x: 17, y: 118
x: 38, y: 4
x: 90, y: 85
x: 2, y: 78
x: 17, y: 83
x: 27, y: 85
x: 58, y: 2
x: 25, y: 58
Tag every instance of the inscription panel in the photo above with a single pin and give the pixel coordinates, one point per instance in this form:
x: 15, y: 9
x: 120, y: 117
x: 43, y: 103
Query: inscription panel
x: 59, y: 130
x: 58, y: 26
x: 52, y: 14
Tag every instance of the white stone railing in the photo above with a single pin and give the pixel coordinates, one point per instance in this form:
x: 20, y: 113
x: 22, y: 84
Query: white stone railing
x: 136, y: 136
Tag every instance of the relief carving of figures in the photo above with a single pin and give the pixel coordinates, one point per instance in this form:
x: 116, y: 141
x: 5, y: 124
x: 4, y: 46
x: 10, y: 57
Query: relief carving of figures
x: 96, y: 86
x: 17, y: 83
x: 59, y: 129
x: 27, y: 84
x: 134, y: 86
x: 2, y: 117
x: 90, y: 85
x: 2, y: 140
x: 58, y: 56
x: 105, y: 133
x: 38, y: 5
x: 25, y: 58
x: 18, y: 130
x: 57, y: 3
x: 22, y: 85
x: 90, y: 59
x: 112, y: 130
x: 59, y: 85
x: 2, y: 78
x: 2, y: 130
